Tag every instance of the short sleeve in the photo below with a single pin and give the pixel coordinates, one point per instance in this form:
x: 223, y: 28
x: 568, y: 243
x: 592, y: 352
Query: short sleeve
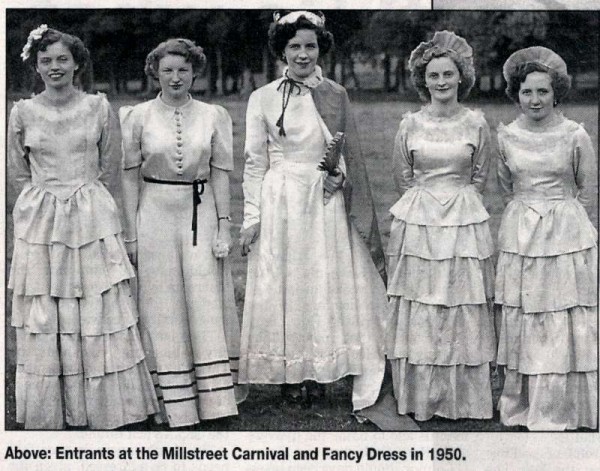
x: 131, y: 131
x: 19, y: 171
x: 222, y: 141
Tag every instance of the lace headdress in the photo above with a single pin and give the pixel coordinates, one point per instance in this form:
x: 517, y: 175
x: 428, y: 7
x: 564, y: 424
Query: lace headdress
x: 441, y: 41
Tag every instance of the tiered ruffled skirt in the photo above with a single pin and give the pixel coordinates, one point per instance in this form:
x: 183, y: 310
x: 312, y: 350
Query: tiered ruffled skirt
x: 547, y: 286
x: 441, y: 336
x: 79, y: 354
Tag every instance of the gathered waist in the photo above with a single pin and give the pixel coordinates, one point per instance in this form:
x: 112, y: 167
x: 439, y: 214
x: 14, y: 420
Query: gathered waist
x: 532, y: 196
x: 63, y: 190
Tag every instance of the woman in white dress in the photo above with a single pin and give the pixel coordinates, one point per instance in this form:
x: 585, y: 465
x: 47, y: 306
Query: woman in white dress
x: 177, y: 229
x: 441, y: 339
x: 547, y: 281
x: 80, y: 361
x: 315, y: 301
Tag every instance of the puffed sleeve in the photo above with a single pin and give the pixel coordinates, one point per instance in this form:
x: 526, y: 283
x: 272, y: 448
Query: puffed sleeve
x: 584, y: 169
x: 222, y: 141
x: 402, y: 159
x: 131, y: 131
x: 19, y: 171
x: 504, y: 175
x: 480, y: 161
x: 109, y: 148
x: 257, y: 161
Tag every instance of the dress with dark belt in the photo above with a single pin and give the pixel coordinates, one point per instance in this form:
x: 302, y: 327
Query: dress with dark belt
x: 186, y: 301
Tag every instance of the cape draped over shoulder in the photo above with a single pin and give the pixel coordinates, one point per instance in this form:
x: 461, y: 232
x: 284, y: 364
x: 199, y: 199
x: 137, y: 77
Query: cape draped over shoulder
x: 332, y: 103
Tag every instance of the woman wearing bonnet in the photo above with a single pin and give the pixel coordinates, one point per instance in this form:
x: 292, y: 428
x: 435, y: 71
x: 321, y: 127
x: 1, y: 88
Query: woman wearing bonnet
x: 315, y: 300
x: 440, y: 339
x: 80, y: 362
x: 547, y: 276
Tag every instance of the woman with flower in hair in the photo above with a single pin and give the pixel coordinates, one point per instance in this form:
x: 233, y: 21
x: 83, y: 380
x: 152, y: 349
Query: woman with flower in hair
x: 79, y: 356
x: 182, y: 150
x: 314, y: 300
x: 547, y: 268
x: 441, y: 339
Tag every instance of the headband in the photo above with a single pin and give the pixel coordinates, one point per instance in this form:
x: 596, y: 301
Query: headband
x: 317, y: 20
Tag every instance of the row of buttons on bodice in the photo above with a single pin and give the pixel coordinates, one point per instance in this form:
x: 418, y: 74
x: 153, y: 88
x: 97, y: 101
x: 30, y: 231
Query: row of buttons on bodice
x: 179, y: 142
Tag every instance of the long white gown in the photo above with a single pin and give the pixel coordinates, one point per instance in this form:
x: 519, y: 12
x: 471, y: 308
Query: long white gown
x: 315, y: 303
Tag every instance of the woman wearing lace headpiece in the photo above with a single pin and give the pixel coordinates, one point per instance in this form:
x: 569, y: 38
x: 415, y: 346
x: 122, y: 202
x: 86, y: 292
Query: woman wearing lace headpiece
x: 440, y: 340
x: 547, y: 267
x: 314, y: 297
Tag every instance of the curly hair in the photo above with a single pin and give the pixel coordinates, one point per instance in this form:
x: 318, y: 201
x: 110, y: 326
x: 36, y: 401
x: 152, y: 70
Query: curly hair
x: 80, y: 53
x: 280, y: 34
x: 178, y: 47
x: 464, y: 66
x: 561, y: 83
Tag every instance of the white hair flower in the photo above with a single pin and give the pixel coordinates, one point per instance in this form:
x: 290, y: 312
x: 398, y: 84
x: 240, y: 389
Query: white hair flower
x: 34, y: 35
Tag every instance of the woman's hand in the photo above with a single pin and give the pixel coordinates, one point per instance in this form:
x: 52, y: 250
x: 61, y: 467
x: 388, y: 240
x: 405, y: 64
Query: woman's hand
x: 131, y: 249
x: 222, y: 241
x: 248, y: 237
x: 331, y: 184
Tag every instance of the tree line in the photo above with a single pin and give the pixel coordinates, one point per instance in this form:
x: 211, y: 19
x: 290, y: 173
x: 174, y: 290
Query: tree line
x: 235, y: 41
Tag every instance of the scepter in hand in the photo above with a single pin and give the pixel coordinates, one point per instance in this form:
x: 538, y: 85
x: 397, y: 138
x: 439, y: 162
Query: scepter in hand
x: 330, y: 163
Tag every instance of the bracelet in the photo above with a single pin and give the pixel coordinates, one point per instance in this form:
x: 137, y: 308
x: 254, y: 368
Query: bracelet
x: 128, y: 241
x: 228, y: 218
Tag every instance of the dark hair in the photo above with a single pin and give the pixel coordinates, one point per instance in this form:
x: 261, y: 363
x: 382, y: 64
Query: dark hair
x: 178, y: 47
x: 280, y: 34
x: 464, y: 66
x: 81, y: 56
x: 561, y: 83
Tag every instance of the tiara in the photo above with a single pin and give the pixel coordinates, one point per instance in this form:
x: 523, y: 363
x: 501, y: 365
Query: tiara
x: 441, y: 41
x: 317, y: 20
x: 34, y: 35
x: 537, y: 55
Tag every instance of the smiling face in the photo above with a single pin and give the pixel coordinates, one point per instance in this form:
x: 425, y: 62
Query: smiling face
x: 302, y: 52
x: 441, y: 78
x: 56, y: 66
x: 536, y: 96
x: 175, y: 76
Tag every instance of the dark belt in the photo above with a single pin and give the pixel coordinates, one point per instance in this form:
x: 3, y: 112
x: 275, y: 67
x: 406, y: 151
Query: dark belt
x: 198, y: 189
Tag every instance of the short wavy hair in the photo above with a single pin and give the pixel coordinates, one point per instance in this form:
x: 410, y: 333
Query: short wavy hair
x: 465, y: 68
x: 178, y: 47
x: 280, y: 34
x: 561, y: 83
x: 80, y: 53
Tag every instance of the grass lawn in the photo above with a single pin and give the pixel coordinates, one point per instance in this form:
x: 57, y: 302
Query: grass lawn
x: 378, y: 122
